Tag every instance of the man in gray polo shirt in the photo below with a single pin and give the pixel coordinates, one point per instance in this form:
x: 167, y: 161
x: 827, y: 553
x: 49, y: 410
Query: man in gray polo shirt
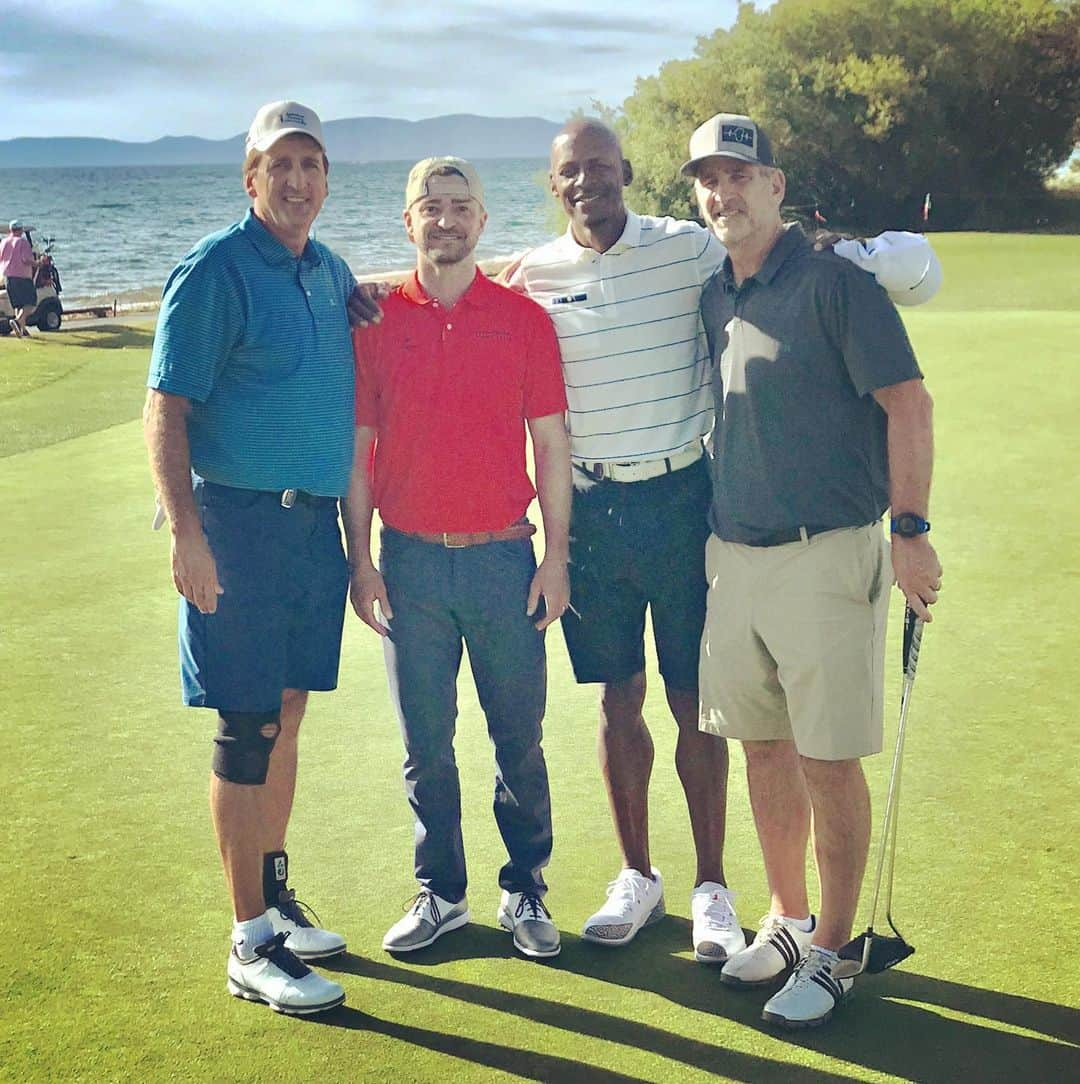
x: 822, y: 422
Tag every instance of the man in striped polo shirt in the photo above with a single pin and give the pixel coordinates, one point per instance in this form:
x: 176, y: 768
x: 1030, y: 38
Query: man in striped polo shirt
x: 249, y: 426
x: 623, y: 291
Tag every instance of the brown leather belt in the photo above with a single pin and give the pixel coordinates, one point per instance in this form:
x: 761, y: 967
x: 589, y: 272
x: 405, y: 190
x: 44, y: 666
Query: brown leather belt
x: 459, y: 540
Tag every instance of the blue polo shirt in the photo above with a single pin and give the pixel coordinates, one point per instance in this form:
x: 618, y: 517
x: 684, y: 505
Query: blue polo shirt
x: 258, y: 339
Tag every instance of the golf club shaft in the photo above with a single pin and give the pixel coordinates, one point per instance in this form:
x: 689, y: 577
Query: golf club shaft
x: 894, y: 796
x: 887, y: 847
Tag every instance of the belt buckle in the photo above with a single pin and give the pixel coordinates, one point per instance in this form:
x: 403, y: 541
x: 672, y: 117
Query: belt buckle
x: 451, y: 545
x: 288, y: 498
x: 597, y: 471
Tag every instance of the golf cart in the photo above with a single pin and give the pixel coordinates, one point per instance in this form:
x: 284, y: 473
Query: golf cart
x: 46, y: 315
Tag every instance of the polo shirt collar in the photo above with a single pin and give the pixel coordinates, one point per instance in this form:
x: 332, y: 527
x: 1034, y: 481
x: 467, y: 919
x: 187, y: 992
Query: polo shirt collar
x: 413, y: 291
x: 787, y: 244
x: 270, y: 248
x: 629, y: 238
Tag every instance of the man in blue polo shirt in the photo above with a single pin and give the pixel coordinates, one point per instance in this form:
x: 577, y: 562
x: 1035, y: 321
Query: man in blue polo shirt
x: 249, y: 426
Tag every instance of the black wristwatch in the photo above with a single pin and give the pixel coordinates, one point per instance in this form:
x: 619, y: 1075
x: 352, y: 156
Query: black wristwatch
x: 909, y: 525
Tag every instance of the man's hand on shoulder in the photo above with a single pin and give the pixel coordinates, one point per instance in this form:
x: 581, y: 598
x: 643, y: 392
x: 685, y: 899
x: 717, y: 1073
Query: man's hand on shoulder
x: 824, y: 239
x: 366, y: 588
x: 195, y: 571
x: 917, y: 571
x: 363, y: 304
x: 552, y: 580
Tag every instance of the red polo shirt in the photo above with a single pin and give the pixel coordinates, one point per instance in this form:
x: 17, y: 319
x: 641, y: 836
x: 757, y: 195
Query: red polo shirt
x: 448, y: 392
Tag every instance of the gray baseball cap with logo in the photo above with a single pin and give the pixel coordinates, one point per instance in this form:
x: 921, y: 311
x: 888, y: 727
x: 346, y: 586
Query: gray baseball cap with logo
x: 728, y: 135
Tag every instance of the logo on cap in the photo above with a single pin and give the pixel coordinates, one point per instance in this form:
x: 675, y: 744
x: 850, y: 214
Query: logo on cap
x: 737, y: 133
x: 293, y: 118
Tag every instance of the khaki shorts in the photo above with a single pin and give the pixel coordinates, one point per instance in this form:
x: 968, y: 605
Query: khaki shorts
x: 794, y: 643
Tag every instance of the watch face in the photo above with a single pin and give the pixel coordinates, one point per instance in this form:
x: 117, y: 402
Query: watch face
x: 909, y: 525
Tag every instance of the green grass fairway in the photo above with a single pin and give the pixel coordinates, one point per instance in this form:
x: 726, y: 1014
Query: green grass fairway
x: 114, y: 917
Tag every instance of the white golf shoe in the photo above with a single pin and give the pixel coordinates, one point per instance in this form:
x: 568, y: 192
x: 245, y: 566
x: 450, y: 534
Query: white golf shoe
x: 275, y: 976
x: 428, y: 918
x: 633, y: 902
x: 717, y: 934
x: 306, y: 941
x: 809, y: 996
x: 778, y: 946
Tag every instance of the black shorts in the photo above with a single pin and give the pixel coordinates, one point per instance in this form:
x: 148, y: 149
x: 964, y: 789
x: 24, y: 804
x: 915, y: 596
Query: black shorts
x: 637, y: 546
x: 21, y: 293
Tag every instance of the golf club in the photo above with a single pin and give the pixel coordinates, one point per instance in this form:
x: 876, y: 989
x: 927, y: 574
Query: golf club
x: 872, y: 951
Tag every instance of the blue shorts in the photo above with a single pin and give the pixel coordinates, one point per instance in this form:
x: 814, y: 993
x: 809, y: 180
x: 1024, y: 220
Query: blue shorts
x: 278, y: 624
x: 637, y: 546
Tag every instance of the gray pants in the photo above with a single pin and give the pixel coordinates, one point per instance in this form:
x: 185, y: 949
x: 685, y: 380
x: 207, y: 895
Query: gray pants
x: 442, y: 598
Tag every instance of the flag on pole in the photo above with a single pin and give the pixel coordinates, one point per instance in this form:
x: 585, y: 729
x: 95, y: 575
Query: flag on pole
x: 926, y: 207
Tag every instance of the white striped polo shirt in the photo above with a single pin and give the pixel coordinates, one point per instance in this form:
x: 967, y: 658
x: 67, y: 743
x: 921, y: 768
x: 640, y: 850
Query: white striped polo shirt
x: 634, y: 354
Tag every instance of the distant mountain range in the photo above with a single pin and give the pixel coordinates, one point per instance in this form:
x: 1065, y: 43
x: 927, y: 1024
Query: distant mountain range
x: 358, y: 139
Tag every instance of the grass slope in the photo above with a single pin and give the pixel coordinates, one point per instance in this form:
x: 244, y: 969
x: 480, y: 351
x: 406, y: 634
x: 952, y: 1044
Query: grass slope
x: 114, y: 914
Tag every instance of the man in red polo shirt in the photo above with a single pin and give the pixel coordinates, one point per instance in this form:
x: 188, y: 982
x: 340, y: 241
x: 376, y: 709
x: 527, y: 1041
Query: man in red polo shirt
x: 446, y: 385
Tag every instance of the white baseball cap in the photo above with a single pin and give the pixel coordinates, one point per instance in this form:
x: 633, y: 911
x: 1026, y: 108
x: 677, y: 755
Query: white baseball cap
x: 903, y: 264
x: 15, y: 224
x: 278, y: 119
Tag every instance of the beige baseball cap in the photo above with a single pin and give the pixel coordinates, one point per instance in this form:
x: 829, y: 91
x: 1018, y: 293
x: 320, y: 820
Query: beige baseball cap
x: 416, y: 187
x: 278, y: 119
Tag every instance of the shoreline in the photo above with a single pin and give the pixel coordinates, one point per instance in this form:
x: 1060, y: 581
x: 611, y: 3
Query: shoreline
x: 148, y: 299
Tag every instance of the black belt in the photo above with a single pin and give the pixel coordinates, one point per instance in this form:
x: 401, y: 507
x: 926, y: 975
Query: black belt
x: 285, y: 497
x: 289, y: 497
x: 788, y: 534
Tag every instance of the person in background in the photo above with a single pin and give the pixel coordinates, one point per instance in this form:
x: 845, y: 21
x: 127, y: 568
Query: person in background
x: 17, y: 269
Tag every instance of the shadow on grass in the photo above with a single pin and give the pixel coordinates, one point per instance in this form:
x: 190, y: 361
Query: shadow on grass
x: 111, y: 337
x: 527, y: 1064
x: 892, y: 1024
x: 626, y: 1031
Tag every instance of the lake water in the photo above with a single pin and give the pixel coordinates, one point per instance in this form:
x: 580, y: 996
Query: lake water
x: 121, y: 229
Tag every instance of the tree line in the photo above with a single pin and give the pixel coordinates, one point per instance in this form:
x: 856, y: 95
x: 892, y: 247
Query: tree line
x: 873, y: 104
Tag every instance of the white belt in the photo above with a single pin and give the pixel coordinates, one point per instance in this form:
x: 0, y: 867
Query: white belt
x: 640, y: 471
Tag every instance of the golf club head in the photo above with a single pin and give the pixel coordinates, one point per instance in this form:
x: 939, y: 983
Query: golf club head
x: 871, y: 953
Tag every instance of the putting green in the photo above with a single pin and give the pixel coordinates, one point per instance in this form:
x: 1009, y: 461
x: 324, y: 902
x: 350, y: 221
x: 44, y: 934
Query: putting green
x: 114, y: 913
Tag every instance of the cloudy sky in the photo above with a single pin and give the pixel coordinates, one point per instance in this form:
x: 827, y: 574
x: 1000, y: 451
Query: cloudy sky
x: 141, y: 69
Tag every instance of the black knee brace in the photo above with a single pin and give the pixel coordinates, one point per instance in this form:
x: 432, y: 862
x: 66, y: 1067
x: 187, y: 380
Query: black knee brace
x: 243, y: 744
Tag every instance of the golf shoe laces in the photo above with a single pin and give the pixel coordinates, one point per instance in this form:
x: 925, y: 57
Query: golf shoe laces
x: 296, y: 910
x: 530, y: 902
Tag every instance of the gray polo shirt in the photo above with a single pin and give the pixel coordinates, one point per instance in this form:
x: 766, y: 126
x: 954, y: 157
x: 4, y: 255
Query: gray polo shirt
x: 796, y: 351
